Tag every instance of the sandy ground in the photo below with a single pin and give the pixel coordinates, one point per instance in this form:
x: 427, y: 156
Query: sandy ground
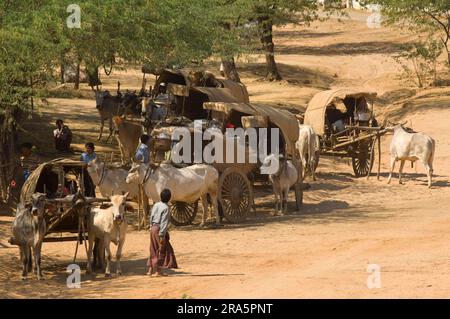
x: 345, y: 224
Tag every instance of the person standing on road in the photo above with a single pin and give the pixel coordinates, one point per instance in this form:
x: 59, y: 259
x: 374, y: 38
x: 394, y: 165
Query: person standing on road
x: 162, y: 255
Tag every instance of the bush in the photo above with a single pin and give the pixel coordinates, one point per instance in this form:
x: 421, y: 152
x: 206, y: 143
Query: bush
x: 419, y: 62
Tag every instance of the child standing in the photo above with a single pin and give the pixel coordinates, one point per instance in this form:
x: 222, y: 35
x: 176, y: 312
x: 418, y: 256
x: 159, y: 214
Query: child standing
x: 89, y: 153
x: 162, y: 255
x: 86, y: 157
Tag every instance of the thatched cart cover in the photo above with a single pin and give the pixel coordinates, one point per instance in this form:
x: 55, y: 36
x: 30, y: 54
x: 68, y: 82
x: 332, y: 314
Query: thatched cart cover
x: 29, y: 187
x: 185, y: 77
x: 218, y: 94
x: 315, y: 112
x: 284, y: 120
x: 254, y: 121
x: 238, y: 90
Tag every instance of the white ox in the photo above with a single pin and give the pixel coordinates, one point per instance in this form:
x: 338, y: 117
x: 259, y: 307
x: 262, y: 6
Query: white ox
x: 407, y: 146
x: 108, y: 225
x: 186, y: 184
x: 285, y: 177
x: 308, y: 147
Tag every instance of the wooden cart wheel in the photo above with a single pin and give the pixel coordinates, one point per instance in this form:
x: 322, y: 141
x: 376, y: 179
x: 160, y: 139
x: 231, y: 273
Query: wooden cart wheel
x: 235, y: 195
x: 183, y: 214
x: 362, y: 163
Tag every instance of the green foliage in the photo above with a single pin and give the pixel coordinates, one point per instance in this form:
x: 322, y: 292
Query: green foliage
x: 419, y: 60
x: 429, y: 16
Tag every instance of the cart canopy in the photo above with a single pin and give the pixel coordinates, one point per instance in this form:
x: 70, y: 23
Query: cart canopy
x: 315, y: 112
x: 42, y: 178
x: 202, y: 79
x: 283, y: 119
x: 200, y: 87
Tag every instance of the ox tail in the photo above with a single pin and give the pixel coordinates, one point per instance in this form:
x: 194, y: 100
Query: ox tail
x: 308, y: 155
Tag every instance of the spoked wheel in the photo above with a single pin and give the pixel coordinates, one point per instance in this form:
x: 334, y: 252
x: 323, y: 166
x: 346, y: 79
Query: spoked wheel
x: 235, y: 195
x: 362, y: 162
x: 183, y: 214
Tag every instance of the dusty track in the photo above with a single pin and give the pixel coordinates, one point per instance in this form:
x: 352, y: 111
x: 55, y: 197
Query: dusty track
x: 323, y: 250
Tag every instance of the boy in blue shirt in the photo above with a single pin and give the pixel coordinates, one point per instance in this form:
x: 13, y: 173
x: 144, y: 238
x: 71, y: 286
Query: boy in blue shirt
x: 143, y: 153
x: 86, y: 157
x: 89, y: 154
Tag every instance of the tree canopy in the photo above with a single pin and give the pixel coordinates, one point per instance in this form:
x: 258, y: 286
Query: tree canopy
x: 429, y: 16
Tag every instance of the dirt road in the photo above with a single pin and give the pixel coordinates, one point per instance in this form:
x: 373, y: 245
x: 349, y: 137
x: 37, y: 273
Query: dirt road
x: 345, y: 224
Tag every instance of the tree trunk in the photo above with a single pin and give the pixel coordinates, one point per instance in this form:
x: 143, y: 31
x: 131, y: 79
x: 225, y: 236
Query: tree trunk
x: 229, y: 70
x: 272, y: 73
x: 93, y: 76
x: 77, y: 77
x: 7, y: 150
x: 62, y: 71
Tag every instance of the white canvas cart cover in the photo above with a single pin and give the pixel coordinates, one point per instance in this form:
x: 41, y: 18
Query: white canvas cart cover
x: 315, y: 112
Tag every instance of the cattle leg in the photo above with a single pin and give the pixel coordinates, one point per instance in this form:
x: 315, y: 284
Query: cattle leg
x: 37, y: 260
x: 30, y: 260
x: 393, y: 160
x: 400, y: 171
x: 429, y: 169
x: 102, y: 124
x: 145, y: 207
x: 205, y: 209
x: 24, y: 257
x: 119, y: 250
x: 312, y: 166
x: 110, y: 129
x: 122, y: 153
x: 108, y: 257
x: 285, y: 201
x: 275, y: 192
x: 215, y: 207
x: 91, y: 239
x: 98, y: 260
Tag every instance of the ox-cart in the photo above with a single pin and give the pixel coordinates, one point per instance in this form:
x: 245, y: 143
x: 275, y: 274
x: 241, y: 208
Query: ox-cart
x: 236, y: 195
x: 66, y: 186
x: 345, y: 123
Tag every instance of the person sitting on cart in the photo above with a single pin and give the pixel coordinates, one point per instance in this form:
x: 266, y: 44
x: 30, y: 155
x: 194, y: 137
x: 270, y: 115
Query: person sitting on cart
x: 63, y: 136
x: 335, y: 117
x: 143, y: 152
x: 162, y: 255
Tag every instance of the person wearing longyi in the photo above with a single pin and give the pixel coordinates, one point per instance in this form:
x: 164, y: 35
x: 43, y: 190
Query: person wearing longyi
x: 162, y: 255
